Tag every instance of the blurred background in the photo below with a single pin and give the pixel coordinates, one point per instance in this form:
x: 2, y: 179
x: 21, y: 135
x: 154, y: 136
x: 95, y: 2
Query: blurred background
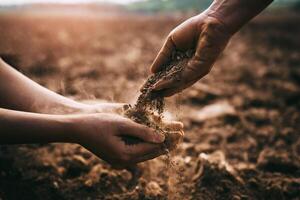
x: 242, y: 121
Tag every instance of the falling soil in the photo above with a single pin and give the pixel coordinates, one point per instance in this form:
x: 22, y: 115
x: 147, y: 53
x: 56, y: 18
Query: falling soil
x: 149, y: 109
x: 151, y: 100
x: 150, y: 105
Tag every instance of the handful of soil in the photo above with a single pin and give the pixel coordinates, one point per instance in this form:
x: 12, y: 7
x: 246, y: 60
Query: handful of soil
x: 149, y: 107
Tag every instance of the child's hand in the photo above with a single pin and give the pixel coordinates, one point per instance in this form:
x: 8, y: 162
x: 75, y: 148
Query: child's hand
x: 103, y: 134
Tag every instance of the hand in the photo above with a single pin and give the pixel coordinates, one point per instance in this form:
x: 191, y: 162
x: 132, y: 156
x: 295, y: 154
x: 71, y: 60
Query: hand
x: 104, y: 135
x: 207, y: 36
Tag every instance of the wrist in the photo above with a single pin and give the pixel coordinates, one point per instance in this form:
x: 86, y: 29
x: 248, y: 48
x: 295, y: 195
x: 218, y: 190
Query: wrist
x: 227, y: 20
x: 78, y: 126
x: 235, y: 13
x: 17, y: 127
x: 69, y: 131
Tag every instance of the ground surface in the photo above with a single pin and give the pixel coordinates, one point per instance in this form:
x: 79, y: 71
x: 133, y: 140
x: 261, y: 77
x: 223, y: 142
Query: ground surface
x: 245, y: 145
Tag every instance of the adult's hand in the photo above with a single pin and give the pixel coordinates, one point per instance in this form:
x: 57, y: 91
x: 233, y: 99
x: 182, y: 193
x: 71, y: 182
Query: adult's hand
x: 104, y: 134
x: 207, y: 36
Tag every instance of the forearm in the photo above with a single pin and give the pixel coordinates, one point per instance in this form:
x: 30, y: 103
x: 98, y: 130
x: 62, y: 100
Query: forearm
x: 235, y: 13
x: 22, y: 128
x: 20, y: 93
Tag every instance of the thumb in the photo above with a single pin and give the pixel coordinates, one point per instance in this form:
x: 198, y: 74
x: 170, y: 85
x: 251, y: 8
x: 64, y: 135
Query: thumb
x: 164, y: 55
x: 143, y: 132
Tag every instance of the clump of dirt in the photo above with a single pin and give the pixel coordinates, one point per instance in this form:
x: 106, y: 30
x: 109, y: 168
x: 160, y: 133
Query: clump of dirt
x: 150, y: 105
x: 215, y: 182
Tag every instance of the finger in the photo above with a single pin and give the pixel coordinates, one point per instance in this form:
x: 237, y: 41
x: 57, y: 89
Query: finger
x: 164, y: 84
x: 142, y: 149
x: 174, y: 79
x: 170, y: 88
x: 191, y: 72
x: 142, y: 132
x: 169, y: 92
x: 150, y: 156
x: 173, y: 125
x: 164, y: 55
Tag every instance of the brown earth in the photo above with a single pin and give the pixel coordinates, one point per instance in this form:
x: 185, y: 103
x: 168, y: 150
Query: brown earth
x: 242, y: 121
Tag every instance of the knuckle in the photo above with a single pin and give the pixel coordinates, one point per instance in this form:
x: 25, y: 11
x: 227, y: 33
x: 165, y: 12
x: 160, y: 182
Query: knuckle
x: 213, y: 23
x: 216, y: 29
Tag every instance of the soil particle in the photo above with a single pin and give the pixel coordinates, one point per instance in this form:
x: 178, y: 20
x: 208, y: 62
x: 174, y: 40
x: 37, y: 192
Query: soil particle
x: 149, y: 106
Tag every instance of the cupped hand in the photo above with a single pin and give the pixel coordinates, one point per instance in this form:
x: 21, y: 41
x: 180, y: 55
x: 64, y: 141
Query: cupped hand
x: 204, y: 35
x: 106, y: 134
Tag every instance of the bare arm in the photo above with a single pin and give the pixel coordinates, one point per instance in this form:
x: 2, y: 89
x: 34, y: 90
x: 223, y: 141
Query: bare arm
x: 21, y: 127
x: 236, y: 13
x: 20, y: 93
x: 17, y: 92
x: 99, y: 133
